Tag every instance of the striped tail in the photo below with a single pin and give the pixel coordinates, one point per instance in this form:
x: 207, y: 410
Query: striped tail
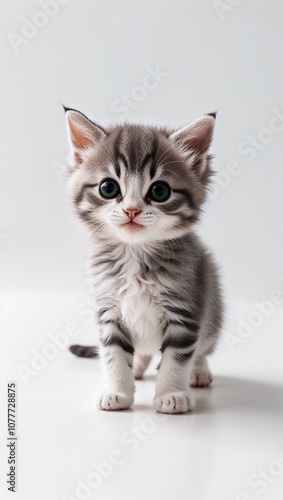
x: 85, y: 351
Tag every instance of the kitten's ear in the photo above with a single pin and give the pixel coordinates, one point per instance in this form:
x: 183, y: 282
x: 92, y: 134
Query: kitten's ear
x: 82, y: 133
x: 194, y: 140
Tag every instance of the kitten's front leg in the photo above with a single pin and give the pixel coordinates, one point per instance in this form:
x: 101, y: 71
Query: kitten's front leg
x: 172, y: 393
x: 117, y: 353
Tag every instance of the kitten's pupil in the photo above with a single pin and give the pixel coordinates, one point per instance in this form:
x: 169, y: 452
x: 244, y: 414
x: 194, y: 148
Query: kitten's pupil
x: 159, y: 191
x: 109, y: 188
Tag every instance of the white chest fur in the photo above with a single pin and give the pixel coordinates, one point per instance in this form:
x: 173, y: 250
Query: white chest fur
x: 139, y: 305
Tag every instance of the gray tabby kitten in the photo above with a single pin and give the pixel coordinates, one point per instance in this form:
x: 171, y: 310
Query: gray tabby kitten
x: 139, y: 190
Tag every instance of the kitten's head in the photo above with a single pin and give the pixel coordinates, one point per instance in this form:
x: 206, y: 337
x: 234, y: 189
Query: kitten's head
x: 135, y: 183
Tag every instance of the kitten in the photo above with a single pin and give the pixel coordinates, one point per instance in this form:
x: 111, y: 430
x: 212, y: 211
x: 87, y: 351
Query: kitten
x: 139, y: 190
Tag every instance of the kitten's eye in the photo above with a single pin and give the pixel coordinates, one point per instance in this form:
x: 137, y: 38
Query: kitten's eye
x: 159, y: 191
x: 109, y: 188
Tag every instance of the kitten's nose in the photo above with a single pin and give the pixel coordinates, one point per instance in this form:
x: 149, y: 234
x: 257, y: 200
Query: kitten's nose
x: 131, y: 212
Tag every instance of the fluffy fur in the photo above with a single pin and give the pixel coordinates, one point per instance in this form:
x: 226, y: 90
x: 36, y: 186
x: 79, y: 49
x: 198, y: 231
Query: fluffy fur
x: 154, y: 285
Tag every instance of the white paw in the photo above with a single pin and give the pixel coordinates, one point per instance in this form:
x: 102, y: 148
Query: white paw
x: 200, y: 378
x: 111, y: 400
x: 174, y: 402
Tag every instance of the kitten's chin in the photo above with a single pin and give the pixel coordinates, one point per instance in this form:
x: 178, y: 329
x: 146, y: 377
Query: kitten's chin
x: 138, y: 234
x: 133, y: 233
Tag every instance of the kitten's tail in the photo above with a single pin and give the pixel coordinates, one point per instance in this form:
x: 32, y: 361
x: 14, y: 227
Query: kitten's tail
x: 85, y: 351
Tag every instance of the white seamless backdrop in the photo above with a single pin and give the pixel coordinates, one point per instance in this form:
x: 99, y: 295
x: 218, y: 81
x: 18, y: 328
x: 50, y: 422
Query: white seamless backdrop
x: 150, y: 62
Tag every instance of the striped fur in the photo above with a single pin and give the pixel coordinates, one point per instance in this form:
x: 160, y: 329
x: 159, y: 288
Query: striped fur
x: 84, y: 351
x: 154, y: 285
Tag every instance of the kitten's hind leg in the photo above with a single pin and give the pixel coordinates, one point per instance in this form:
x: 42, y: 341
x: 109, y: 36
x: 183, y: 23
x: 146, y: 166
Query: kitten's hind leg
x: 200, y: 375
x: 141, y: 362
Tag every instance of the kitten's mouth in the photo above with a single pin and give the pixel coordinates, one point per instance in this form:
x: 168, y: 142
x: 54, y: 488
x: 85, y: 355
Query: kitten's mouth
x: 132, y: 225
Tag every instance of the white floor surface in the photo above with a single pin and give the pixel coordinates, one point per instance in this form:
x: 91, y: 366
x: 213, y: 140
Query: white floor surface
x: 230, y: 447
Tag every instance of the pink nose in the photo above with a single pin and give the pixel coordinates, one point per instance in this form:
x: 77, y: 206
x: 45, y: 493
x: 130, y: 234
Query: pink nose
x: 131, y: 212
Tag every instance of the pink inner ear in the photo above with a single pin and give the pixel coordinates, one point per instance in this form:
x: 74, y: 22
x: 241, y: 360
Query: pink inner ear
x: 80, y: 138
x: 200, y: 138
x: 194, y: 142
